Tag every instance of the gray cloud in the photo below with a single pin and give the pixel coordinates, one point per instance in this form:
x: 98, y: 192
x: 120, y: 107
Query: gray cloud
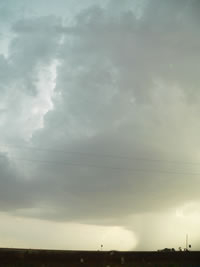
x: 13, y: 188
x: 116, y: 84
x: 33, y: 50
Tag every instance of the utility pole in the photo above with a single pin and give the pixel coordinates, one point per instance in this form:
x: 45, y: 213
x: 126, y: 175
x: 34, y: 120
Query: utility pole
x: 186, y: 241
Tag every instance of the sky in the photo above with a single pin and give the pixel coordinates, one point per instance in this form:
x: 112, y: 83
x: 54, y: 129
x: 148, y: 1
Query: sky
x: 99, y: 124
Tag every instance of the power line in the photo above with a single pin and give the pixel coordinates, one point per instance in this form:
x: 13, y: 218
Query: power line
x: 103, y: 166
x: 100, y: 155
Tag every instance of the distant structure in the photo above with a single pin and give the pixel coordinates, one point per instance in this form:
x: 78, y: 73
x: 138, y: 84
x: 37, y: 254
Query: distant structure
x: 186, y: 245
x: 167, y: 250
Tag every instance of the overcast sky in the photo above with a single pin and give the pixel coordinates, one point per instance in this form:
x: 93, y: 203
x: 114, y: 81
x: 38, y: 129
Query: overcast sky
x: 99, y: 124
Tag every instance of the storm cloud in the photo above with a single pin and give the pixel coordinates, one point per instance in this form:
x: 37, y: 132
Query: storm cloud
x: 99, y: 114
